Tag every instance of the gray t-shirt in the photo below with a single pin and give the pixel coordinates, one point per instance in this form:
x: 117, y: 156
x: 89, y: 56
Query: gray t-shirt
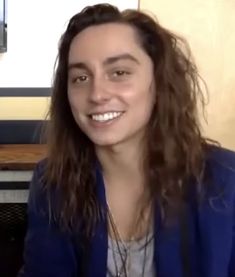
x: 138, y: 256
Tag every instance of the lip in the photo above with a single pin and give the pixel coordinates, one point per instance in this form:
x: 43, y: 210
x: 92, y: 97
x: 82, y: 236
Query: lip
x: 98, y: 124
x: 103, y: 112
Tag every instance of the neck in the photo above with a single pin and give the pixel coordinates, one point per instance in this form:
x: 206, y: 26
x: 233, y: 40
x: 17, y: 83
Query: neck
x: 125, y: 188
x: 123, y: 163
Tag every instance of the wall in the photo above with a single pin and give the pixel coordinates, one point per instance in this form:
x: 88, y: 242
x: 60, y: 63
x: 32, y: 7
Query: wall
x: 209, y: 26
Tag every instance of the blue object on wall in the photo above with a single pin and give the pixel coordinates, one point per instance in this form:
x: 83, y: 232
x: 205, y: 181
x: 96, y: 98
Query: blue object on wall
x: 3, y: 26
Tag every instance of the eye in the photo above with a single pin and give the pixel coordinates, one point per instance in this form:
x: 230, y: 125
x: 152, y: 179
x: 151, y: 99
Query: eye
x: 120, y: 73
x: 80, y: 79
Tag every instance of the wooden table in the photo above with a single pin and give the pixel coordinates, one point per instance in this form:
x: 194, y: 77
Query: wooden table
x: 20, y: 156
x: 17, y: 162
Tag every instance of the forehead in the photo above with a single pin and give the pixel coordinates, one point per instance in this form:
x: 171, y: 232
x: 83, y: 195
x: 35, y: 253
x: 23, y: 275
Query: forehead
x: 100, y: 41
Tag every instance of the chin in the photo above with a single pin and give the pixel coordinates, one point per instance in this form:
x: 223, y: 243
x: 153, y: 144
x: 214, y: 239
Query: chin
x: 103, y: 142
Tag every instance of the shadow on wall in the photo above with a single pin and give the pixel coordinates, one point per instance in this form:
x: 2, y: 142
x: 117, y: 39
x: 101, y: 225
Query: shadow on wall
x: 21, y: 131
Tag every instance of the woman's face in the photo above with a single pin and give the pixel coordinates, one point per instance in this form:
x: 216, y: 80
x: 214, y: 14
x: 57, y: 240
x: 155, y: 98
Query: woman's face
x: 110, y: 84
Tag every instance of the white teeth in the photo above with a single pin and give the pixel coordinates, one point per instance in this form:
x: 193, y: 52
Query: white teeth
x: 106, y: 116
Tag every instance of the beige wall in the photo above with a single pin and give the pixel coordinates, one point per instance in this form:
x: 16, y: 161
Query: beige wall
x: 209, y: 26
x: 25, y: 108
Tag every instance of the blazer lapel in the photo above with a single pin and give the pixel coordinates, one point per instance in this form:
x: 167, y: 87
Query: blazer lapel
x: 166, y: 248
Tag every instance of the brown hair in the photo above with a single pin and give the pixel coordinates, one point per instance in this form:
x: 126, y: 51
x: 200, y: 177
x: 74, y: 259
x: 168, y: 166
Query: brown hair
x: 175, y: 144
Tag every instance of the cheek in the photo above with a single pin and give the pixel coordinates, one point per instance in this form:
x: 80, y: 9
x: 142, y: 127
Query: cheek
x: 75, y: 101
x: 143, y: 105
x: 75, y: 107
x: 143, y: 96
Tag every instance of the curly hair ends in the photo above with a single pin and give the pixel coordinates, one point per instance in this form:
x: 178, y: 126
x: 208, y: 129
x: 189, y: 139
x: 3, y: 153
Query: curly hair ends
x: 175, y: 146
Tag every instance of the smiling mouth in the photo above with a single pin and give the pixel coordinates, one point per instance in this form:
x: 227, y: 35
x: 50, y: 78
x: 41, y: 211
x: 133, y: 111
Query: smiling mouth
x: 105, y: 117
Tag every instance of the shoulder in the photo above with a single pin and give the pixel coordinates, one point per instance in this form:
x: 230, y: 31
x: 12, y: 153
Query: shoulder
x: 37, y: 190
x: 37, y: 182
x: 40, y: 167
x: 48, y: 251
x: 220, y: 170
x: 221, y: 162
x: 221, y: 157
x: 216, y: 215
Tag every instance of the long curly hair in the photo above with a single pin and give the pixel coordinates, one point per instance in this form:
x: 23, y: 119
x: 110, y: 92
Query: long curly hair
x: 175, y: 145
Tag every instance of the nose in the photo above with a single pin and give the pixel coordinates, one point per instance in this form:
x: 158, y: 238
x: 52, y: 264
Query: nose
x: 99, y: 91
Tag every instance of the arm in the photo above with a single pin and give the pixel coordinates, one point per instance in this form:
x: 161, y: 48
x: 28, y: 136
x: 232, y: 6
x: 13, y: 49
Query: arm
x: 48, y: 252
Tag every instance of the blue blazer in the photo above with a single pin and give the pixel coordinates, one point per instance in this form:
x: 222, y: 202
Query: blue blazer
x: 49, y: 252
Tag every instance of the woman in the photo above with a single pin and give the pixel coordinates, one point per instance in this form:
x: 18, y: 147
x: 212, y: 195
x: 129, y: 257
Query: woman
x: 130, y: 187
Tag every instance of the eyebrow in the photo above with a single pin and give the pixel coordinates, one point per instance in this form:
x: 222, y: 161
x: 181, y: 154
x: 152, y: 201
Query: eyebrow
x: 125, y: 56
x: 108, y: 61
